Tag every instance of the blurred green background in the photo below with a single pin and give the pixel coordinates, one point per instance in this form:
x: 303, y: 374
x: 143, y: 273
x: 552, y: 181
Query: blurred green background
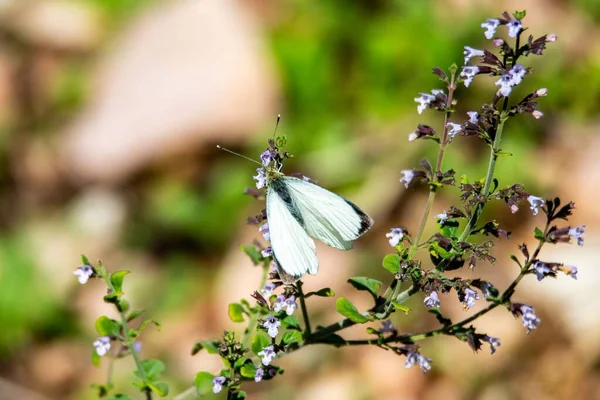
x: 109, y: 115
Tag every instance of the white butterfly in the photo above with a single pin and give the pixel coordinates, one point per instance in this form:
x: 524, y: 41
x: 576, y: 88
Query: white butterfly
x: 297, y: 209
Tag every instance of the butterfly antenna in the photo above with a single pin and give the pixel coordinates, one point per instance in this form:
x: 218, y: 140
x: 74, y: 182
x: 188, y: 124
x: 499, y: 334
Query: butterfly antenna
x: 237, y: 154
x: 276, y: 125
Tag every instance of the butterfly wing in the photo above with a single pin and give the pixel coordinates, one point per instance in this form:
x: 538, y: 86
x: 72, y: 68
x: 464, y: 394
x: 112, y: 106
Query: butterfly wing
x: 293, y: 250
x: 326, y: 216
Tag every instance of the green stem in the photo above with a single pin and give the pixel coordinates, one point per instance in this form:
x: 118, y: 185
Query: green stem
x: 438, y: 167
x: 254, y: 317
x: 307, y: 330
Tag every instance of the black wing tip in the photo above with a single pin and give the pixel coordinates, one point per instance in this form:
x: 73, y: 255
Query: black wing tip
x: 366, y: 222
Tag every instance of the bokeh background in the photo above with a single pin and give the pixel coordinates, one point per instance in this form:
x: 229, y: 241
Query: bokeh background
x: 109, y: 115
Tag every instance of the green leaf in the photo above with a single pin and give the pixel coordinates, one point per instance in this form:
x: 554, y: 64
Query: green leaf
x: 503, y: 154
x: 363, y: 283
x: 539, y: 234
x: 112, y: 298
x: 373, y: 331
x: 211, y: 346
x: 391, y: 262
x: 236, y: 312
x: 400, y: 307
x: 348, y: 310
x: 253, y: 253
x: 203, y: 383
x: 85, y: 260
x: 95, y: 358
x: 259, y: 342
x: 292, y: 337
x: 106, y: 326
x: 160, y: 388
x: 449, y: 229
x: 290, y: 322
x: 133, y: 333
x: 248, y: 369
x: 325, y: 292
x: 134, y: 314
x: 117, y: 280
x: 153, y: 368
x: 241, y: 395
x: 148, y: 321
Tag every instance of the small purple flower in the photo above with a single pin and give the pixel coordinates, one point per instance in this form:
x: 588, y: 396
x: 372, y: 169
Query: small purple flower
x: 529, y: 319
x: 473, y: 117
x: 498, y: 42
x: 272, y: 325
x: 260, y: 178
x: 264, y: 229
x: 268, y: 289
x: 517, y: 73
x: 468, y: 73
x: 514, y: 27
x: 578, y: 233
x: 551, y: 37
x: 387, y: 326
x: 541, y: 92
x: 570, y: 270
x: 408, y: 177
x: 490, y: 26
x: 541, y: 270
x: 290, y: 305
x: 83, y: 273
x: 470, y: 53
x: 258, y: 375
x: 506, y: 83
x: 395, y: 236
x: 265, y: 157
x: 494, y: 343
x: 432, y: 300
x: 267, y: 355
x: 453, y: 129
x: 137, y: 346
x: 102, y: 345
x: 469, y: 298
x: 414, y: 358
x: 218, y: 383
x: 534, y: 203
x: 267, y: 252
x: 537, y: 114
x: 413, y: 136
x: 424, y: 101
x: 442, y: 217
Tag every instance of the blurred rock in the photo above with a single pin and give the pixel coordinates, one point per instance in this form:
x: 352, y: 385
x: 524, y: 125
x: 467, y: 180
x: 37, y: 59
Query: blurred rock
x: 186, y: 73
x: 61, y: 25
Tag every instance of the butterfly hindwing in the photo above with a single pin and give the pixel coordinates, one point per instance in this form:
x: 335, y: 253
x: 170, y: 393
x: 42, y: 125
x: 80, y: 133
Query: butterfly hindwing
x: 293, y: 249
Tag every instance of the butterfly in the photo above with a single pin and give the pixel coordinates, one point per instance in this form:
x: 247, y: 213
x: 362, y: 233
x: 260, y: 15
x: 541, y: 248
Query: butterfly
x: 298, y: 210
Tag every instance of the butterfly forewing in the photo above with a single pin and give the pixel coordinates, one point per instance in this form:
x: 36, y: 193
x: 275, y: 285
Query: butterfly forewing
x: 293, y: 249
x: 326, y: 216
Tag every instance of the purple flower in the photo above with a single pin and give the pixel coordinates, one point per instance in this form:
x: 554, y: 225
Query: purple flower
x: 468, y: 73
x: 469, y: 297
x: 570, y: 270
x: 265, y: 157
x: 534, y: 203
x: 514, y: 27
x: 498, y: 42
x: 454, y: 129
x: 408, y: 177
x: 272, y: 325
x: 102, y: 345
x: 529, y: 319
x: 395, y: 236
x: 578, y: 233
x: 264, y: 229
x: 267, y: 355
x: 387, y: 326
x: 267, y: 252
x: 432, y: 300
x: 537, y: 114
x: 505, y: 83
x: 494, y: 343
x: 541, y: 92
x: 258, y: 375
x: 268, y: 289
x: 473, y: 117
x: 83, y: 273
x: 260, y: 178
x: 424, y: 101
x: 288, y: 304
x: 490, y: 26
x: 541, y: 270
x: 470, y: 53
x: 551, y: 37
x: 517, y: 73
x: 442, y: 217
x: 218, y: 383
x: 414, y: 358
